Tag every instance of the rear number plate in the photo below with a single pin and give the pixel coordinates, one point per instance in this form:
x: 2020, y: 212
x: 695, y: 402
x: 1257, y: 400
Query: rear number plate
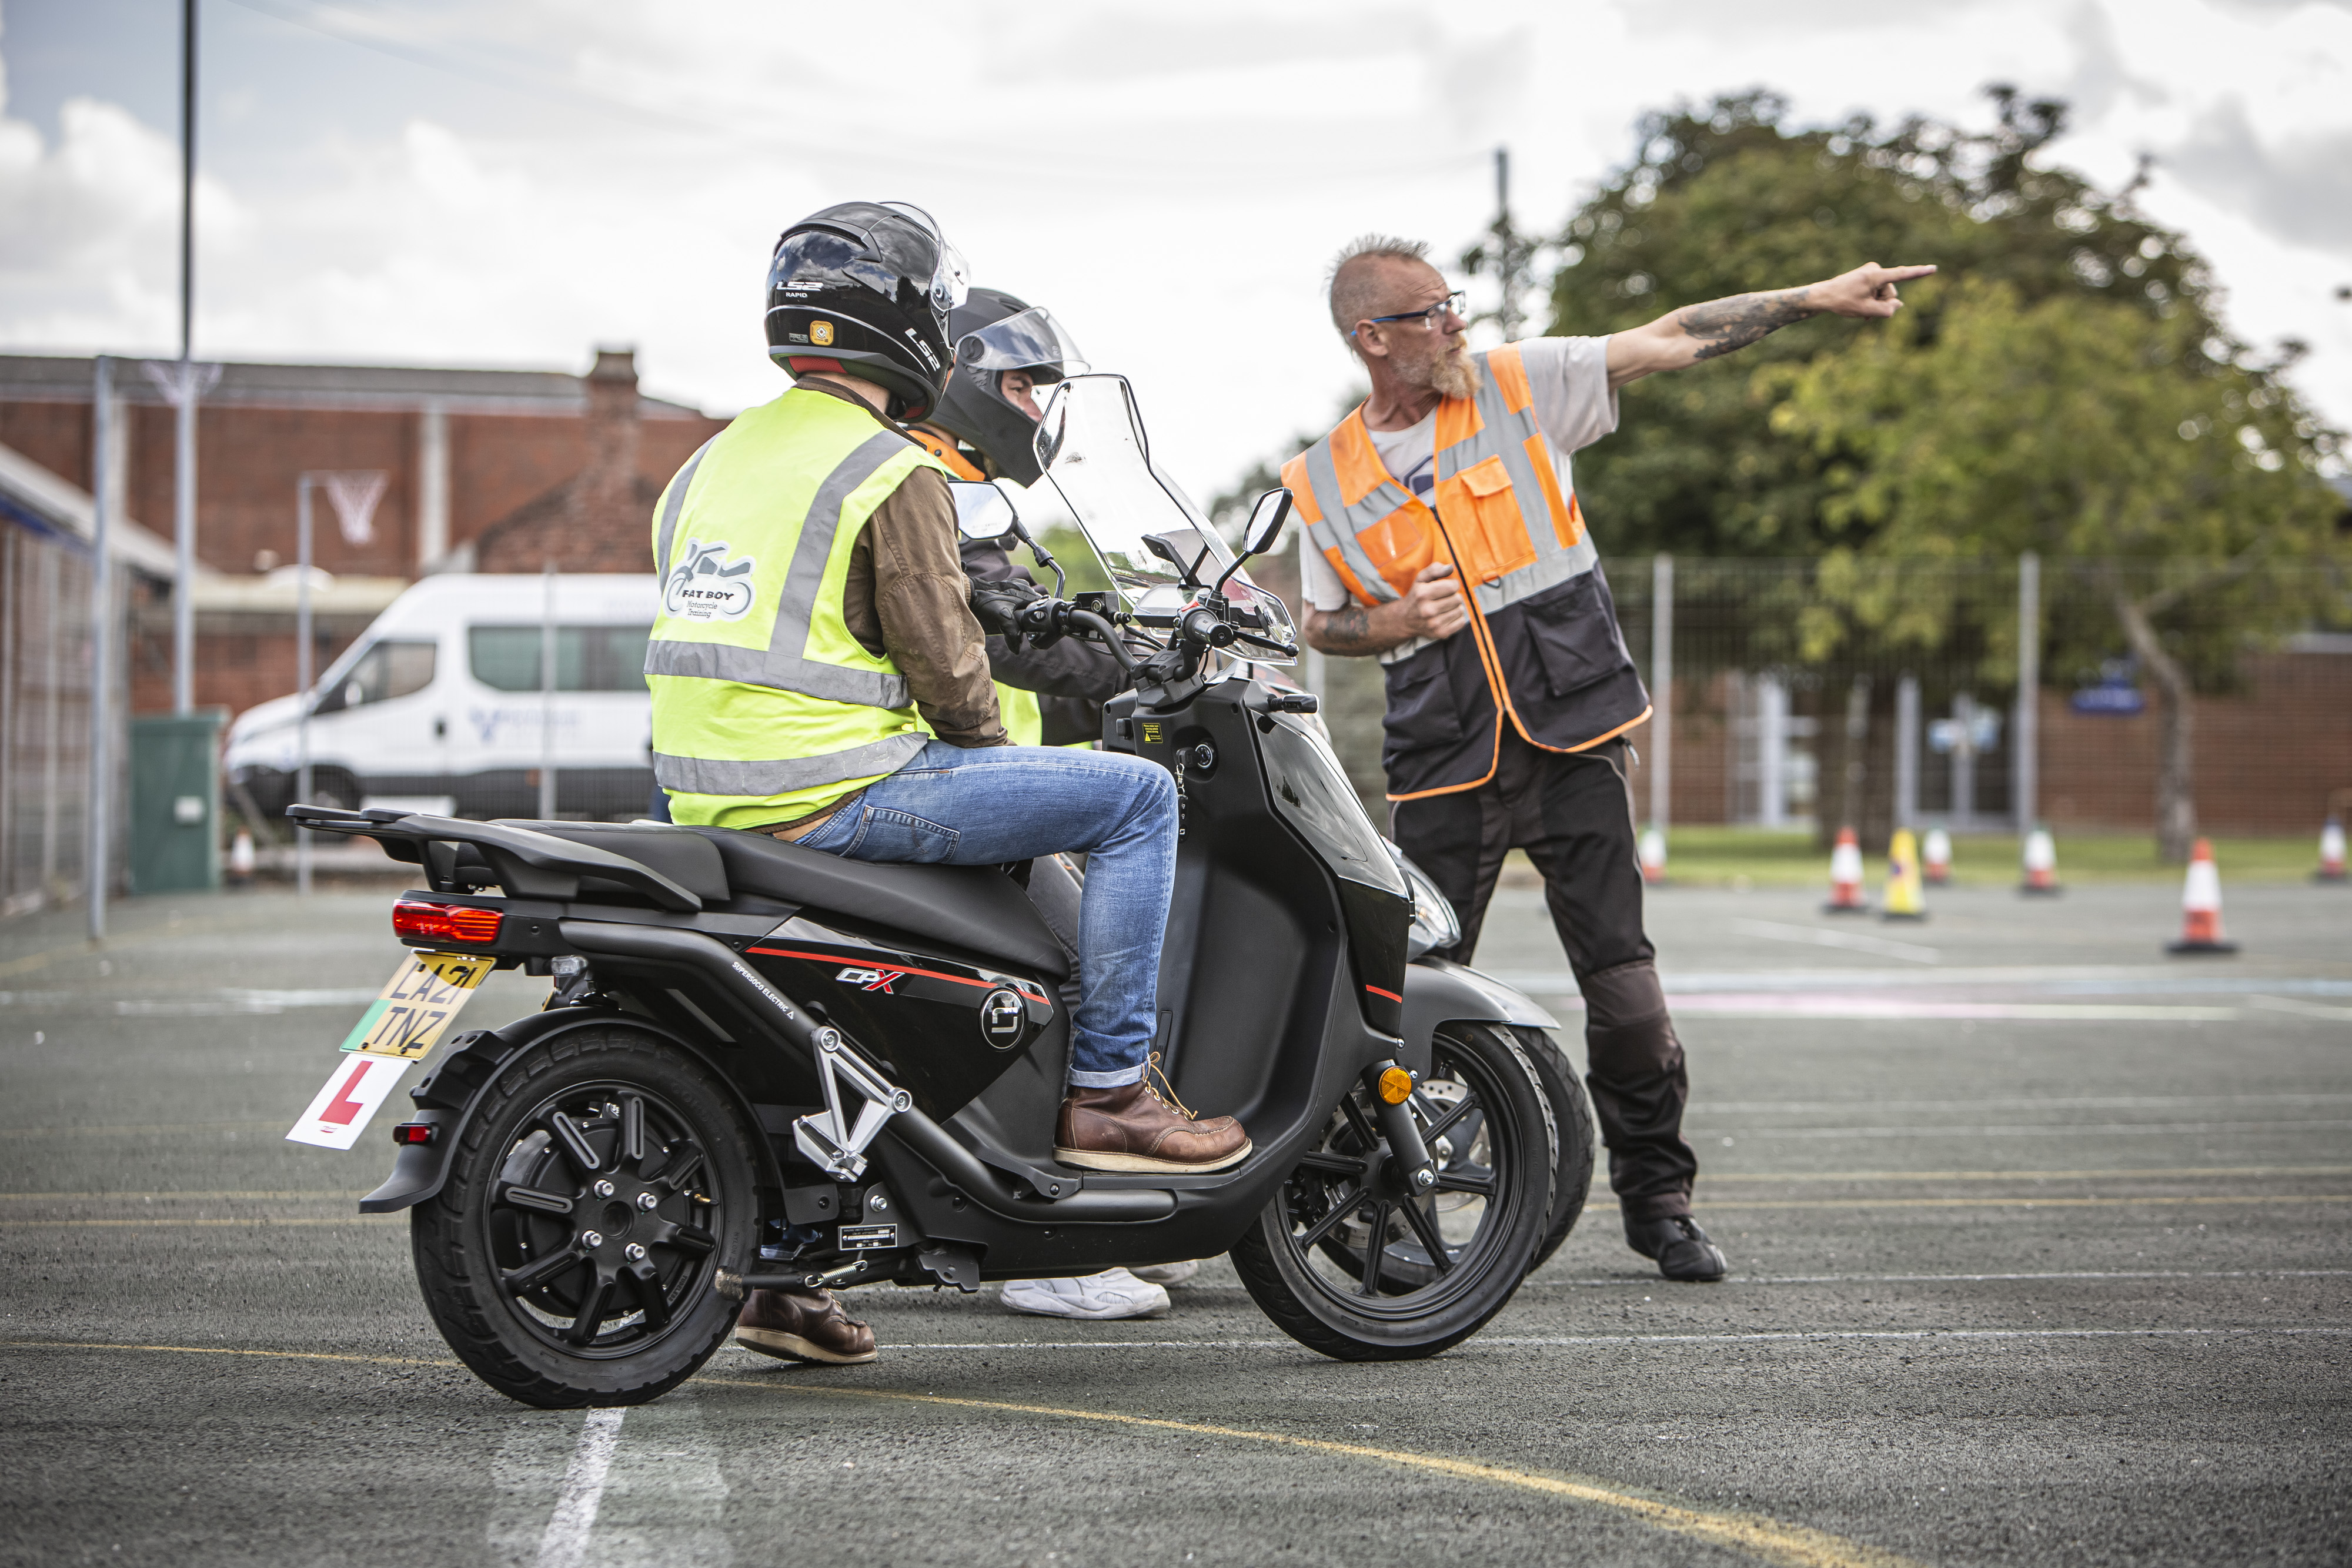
x: 862, y: 1237
x: 417, y: 1004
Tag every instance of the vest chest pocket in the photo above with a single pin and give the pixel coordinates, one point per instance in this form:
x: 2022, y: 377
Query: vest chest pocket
x: 1482, y: 516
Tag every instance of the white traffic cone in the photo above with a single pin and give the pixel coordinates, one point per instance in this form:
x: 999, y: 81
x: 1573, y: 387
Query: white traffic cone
x: 240, y: 858
x: 1845, y: 876
x: 1653, y: 856
x: 2041, y: 864
x: 1935, y: 857
x: 2331, y: 853
x: 2200, y: 905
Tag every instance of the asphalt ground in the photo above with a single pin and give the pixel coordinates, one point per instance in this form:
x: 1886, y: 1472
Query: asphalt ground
x: 2039, y: 1241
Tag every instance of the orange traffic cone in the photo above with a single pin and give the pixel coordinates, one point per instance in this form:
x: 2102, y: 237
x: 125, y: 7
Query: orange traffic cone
x: 1653, y: 856
x: 2200, y: 905
x: 2331, y: 853
x: 2041, y: 864
x: 1935, y: 867
x: 1845, y: 876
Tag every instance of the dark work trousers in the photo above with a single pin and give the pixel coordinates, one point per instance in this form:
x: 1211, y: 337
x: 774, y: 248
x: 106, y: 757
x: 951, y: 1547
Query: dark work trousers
x: 1574, y: 815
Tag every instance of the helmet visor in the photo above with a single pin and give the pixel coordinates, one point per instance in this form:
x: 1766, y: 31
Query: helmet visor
x: 950, y: 279
x: 1031, y: 340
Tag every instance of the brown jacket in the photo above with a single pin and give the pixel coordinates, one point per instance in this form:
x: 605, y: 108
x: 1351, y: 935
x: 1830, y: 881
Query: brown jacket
x: 907, y: 600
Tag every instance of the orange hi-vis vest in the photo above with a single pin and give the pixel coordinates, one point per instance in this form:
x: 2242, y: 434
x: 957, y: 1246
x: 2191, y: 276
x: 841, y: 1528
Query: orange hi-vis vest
x: 1542, y: 646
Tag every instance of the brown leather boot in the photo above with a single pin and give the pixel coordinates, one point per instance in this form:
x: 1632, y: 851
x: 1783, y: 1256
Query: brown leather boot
x: 1133, y: 1128
x: 802, y: 1325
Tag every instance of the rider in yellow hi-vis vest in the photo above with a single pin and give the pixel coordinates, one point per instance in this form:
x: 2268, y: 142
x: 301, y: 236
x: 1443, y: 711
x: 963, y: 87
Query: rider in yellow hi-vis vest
x: 819, y: 674
x: 753, y: 540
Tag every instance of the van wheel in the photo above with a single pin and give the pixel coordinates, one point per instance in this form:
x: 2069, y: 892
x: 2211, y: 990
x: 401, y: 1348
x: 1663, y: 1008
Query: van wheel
x: 1348, y: 1263
x: 572, y: 1257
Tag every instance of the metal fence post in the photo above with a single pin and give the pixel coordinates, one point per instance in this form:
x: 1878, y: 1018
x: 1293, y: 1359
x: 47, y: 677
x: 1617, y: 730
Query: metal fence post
x: 546, y: 695
x: 1906, y: 752
x: 1662, y: 691
x: 1317, y: 676
x: 102, y: 790
x: 2025, y: 731
x: 303, y: 678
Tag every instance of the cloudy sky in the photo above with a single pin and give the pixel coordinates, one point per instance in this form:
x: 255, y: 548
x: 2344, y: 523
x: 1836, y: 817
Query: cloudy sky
x: 509, y: 182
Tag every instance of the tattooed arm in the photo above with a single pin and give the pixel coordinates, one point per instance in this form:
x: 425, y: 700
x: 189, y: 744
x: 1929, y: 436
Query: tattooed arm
x: 1696, y: 332
x: 1433, y: 609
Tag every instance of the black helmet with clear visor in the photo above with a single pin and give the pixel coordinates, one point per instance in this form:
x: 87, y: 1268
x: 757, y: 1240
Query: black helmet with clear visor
x: 865, y: 288
x: 995, y: 333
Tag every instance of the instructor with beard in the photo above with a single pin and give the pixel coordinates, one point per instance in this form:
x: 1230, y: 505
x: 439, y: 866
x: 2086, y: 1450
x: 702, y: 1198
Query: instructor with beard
x: 1509, y: 703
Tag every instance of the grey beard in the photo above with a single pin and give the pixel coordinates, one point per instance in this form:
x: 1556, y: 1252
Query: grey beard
x: 1454, y: 375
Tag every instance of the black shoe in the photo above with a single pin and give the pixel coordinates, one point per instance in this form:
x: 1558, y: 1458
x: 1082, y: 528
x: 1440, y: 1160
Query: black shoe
x: 1682, y: 1248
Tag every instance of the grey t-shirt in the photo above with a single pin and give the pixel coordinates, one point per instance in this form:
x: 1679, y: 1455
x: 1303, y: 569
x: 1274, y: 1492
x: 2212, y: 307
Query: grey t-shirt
x: 1568, y: 379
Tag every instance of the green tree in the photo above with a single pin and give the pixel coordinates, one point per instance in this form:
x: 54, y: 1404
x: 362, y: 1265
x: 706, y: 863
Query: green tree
x: 2177, y: 488
x: 1730, y: 198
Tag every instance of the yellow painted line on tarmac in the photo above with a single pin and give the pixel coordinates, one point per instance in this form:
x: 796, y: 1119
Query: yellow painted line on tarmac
x: 1714, y: 1203
x: 2120, y: 1174
x: 219, y: 1350
x: 1793, y: 1545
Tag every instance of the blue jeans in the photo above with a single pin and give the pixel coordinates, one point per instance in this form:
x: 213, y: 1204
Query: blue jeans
x: 988, y: 805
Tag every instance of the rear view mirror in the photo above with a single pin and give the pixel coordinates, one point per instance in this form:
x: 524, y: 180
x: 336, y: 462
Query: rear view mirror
x: 1265, y: 521
x: 983, y: 511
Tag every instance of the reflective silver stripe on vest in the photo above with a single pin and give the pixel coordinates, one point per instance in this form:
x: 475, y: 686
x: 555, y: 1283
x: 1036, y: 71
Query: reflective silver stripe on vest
x: 703, y: 776
x: 1339, y: 526
x: 677, y: 488
x: 780, y: 664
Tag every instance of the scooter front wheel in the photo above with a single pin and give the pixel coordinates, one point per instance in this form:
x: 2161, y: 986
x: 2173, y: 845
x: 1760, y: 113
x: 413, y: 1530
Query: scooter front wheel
x: 1350, y: 1262
x: 572, y: 1257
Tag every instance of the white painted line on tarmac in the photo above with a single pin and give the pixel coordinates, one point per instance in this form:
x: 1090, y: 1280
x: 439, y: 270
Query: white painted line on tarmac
x: 2079, y: 979
x: 566, y: 1544
x: 1852, y: 941
x: 2110, y: 1102
x: 1647, y: 1280
x: 2302, y: 1009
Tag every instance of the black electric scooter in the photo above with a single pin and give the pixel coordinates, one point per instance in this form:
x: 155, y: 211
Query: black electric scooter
x: 765, y: 1066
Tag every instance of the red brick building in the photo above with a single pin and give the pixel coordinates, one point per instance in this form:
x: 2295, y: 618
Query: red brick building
x: 485, y: 470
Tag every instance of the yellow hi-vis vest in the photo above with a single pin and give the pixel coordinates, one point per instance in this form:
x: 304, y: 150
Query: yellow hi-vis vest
x: 1017, y: 710
x: 765, y: 709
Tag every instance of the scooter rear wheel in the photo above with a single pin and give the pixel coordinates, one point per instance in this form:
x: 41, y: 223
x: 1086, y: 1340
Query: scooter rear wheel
x: 1571, y: 1116
x: 572, y: 1257
x: 1350, y: 1264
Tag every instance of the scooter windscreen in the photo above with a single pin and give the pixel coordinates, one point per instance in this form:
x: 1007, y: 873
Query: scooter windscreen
x: 1150, y: 535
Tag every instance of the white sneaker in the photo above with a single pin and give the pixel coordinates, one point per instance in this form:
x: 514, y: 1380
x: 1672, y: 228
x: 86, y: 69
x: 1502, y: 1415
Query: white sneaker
x: 1166, y: 1273
x: 1113, y: 1293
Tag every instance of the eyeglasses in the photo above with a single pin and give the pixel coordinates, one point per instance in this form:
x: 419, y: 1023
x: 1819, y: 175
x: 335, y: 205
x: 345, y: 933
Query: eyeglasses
x: 1432, y: 316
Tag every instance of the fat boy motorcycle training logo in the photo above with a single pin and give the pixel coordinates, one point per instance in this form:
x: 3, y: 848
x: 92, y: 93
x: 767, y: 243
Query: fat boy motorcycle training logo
x: 706, y: 586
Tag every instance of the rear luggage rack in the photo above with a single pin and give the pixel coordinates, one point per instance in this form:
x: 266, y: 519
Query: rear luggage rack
x: 526, y: 864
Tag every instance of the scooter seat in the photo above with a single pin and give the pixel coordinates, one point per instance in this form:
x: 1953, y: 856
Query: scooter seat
x: 685, y: 857
x: 977, y: 908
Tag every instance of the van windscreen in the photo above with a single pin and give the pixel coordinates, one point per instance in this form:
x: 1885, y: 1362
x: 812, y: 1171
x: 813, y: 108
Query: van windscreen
x: 587, y: 658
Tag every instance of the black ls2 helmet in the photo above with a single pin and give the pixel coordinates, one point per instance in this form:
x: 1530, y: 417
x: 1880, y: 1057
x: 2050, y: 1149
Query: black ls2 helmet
x: 994, y: 333
x: 865, y: 288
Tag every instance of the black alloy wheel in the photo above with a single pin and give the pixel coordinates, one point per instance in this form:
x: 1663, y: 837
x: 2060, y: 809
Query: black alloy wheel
x: 572, y: 1257
x: 1350, y: 1261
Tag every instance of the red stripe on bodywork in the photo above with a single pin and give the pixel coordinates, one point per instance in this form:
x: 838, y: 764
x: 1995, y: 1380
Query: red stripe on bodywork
x: 1025, y: 987
x: 1389, y: 994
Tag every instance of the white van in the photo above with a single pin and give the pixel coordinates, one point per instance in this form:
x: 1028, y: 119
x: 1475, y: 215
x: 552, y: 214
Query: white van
x: 437, y: 705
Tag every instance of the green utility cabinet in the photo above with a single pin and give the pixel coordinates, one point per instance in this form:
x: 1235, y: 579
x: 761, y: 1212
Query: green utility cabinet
x: 175, y: 799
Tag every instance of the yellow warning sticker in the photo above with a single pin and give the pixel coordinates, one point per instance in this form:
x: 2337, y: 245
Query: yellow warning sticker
x: 417, y: 1003
x: 821, y: 333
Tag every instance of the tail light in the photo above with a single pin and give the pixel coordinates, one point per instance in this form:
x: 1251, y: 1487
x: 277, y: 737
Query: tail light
x: 409, y: 1133
x: 445, y: 922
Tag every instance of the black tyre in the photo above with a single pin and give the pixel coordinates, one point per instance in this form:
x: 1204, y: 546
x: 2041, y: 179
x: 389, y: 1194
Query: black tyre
x: 1571, y: 1116
x: 573, y: 1256
x: 1348, y: 1263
